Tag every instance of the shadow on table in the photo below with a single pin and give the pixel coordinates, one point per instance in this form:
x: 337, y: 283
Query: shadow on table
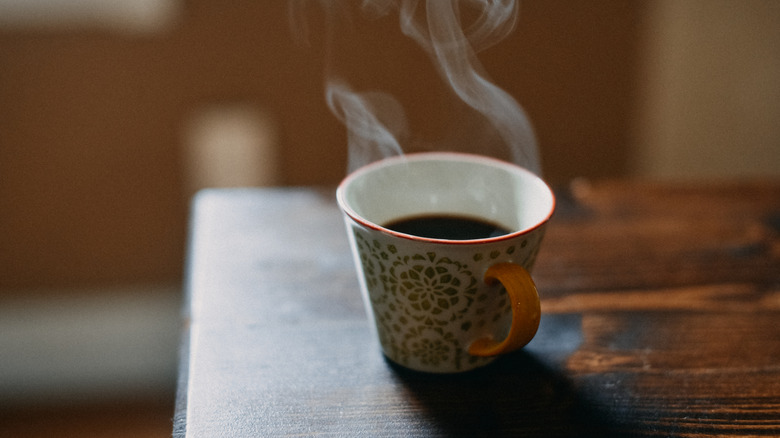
x: 522, y: 394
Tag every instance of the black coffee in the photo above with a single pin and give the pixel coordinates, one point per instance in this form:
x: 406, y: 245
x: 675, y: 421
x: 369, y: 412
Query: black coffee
x: 447, y: 227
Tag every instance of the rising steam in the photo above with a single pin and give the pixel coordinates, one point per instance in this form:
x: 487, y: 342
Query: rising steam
x: 375, y: 121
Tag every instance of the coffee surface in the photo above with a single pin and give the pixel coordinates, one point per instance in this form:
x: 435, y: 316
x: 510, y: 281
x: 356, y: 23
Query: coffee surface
x: 447, y: 227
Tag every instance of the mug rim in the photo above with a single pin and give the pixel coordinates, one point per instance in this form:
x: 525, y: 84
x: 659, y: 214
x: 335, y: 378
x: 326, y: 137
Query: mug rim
x: 445, y: 156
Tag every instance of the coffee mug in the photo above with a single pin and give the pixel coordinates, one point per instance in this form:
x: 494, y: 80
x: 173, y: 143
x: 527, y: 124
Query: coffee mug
x: 443, y: 244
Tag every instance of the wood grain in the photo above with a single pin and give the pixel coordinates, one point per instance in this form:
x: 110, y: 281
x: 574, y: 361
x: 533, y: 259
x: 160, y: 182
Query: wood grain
x: 660, y: 306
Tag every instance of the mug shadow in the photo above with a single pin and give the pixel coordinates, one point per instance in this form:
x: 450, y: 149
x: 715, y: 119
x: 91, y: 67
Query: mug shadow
x: 521, y: 394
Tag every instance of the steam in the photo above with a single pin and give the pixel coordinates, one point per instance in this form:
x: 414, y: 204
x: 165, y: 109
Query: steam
x: 375, y: 121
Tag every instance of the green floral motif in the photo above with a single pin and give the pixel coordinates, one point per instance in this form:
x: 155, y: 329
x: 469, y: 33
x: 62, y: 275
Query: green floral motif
x: 373, y: 258
x: 437, y: 289
x: 420, y: 301
x: 441, y: 348
x: 431, y: 351
x: 495, y: 254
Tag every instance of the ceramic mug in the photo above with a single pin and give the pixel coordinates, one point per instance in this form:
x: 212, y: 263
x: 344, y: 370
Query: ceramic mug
x: 442, y: 304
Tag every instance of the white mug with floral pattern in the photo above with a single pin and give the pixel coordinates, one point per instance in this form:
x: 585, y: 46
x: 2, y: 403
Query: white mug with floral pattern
x: 444, y: 305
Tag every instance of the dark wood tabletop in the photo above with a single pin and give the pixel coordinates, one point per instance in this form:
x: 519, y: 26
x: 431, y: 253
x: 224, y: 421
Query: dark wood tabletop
x: 661, y: 317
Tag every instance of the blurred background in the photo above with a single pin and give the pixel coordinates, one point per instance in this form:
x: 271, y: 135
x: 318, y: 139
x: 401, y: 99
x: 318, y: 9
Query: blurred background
x: 114, y: 112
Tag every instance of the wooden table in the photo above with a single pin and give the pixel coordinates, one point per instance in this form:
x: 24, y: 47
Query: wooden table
x: 661, y: 309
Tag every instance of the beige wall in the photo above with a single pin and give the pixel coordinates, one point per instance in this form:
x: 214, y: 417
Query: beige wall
x: 710, y: 105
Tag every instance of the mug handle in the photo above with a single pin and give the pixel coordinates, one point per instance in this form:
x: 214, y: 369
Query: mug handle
x: 526, y: 310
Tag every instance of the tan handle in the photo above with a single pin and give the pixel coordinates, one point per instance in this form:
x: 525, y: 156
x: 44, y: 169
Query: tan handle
x: 526, y: 310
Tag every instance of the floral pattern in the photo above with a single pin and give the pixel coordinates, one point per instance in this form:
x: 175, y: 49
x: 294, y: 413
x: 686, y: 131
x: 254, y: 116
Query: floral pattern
x: 426, y: 304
